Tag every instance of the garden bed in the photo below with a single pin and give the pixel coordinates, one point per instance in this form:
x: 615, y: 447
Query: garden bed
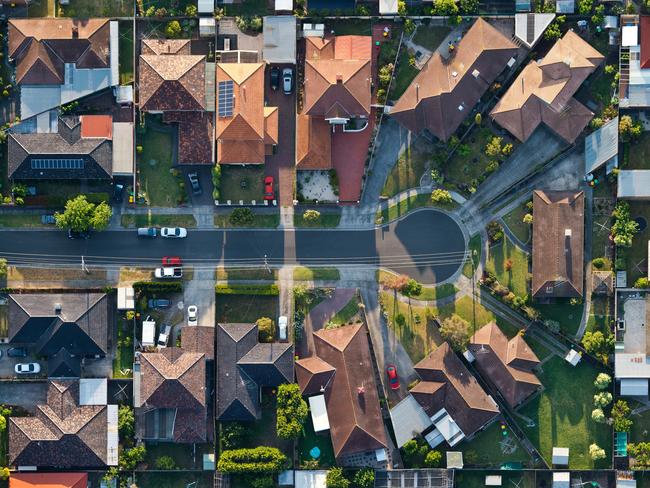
x: 326, y: 220
x: 260, y: 220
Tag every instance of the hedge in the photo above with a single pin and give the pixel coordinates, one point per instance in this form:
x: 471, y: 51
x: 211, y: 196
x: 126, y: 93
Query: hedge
x: 226, y: 289
x: 257, y: 460
x: 158, y: 286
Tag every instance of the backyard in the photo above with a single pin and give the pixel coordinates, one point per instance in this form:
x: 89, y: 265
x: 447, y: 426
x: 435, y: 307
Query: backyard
x: 638, y: 153
x: 562, y: 414
x: 310, y: 440
x: 567, y: 314
x: 123, y: 362
x: 510, y: 265
x: 430, y: 36
x: 511, y: 479
x: 494, y: 446
x: 637, y: 255
x: 175, y: 479
x: 126, y: 52
x: 186, y: 456
x: 86, y: 9
x: 244, y: 183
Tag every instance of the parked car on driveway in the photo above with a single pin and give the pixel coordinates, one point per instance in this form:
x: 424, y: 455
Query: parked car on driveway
x: 27, y: 368
x: 194, y: 183
x: 269, y: 194
x: 282, y: 327
x: 172, y: 261
x: 168, y: 273
x: 287, y: 81
x: 393, y: 379
x: 163, y: 337
x: 48, y: 219
x: 159, y: 303
x: 275, y: 78
x: 17, y: 352
x: 147, y: 232
x: 192, y: 315
x: 173, y: 232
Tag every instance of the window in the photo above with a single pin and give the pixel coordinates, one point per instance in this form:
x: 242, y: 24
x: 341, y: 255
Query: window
x: 57, y: 164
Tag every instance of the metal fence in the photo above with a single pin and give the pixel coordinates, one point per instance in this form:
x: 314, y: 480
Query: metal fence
x: 414, y: 478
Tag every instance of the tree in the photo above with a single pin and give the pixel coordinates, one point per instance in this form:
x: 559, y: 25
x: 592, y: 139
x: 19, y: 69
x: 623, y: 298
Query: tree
x: 410, y: 447
x: 602, y: 399
x: 629, y: 129
x: 478, y: 118
x: 641, y: 454
x: 596, y: 452
x: 455, y: 330
x: 165, y: 463
x: 585, y: 6
x: 642, y: 282
x: 385, y: 74
x: 412, y: 288
x: 444, y: 7
x: 232, y: 434
x: 81, y: 216
x: 598, y: 344
x: 336, y: 479
x: 493, y: 148
x: 3, y: 423
x: 241, y: 216
x: 173, y: 29
x: 599, y: 15
x: 596, y: 123
x: 191, y: 10
x: 409, y: 26
x: 432, y: 459
x: 401, y: 8
x: 602, y: 381
x: 4, y: 473
x: 129, y: 458
x: 620, y: 416
x: 126, y: 422
x: 554, y: 31
x: 311, y: 216
x: 528, y: 219
x: 364, y: 478
x: 395, y: 282
x: 468, y: 7
x: 292, y: 411
x: 441, y: 196
x: 598, y: 416
x: 3, y: 267
x: 265, y: 327
x: 623, y: 228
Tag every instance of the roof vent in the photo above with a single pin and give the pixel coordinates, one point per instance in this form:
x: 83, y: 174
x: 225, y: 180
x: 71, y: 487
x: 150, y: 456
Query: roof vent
x: 339, y: 78
x: 567, y: 232
x: 476, y: 73
x: 454, y: 74
x: 461, y: 108
x: 361, y: 390
x: 57, y: 308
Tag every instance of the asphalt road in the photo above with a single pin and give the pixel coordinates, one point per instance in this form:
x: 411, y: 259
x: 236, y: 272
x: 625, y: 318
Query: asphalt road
x: 427, y: 244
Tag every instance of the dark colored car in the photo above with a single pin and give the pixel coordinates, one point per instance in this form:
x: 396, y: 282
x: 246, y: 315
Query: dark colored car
x: 393, y: 380
x: 269, y: 194
x: 194, y: 183
x: 74, y: 234
x: 275, y: 78
x: 17, y: 352
x: 172, y: 261
x: 147, y: 232
x: 48, y: 219
x: 159, y: 303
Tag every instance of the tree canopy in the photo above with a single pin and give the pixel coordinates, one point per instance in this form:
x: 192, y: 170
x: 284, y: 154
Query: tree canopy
x: 81, y: 216
x: 292, y: 411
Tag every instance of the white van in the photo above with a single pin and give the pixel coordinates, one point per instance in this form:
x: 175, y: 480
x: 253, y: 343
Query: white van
x: 282, y: 327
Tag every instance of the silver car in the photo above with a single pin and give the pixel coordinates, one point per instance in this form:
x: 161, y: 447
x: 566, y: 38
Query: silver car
x: 287, y: 81
x: 27, y: 368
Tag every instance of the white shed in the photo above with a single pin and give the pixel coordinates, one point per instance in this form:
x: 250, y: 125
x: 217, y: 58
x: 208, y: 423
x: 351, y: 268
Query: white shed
x: 206, y: 6
x: 148, y: 333
x: 318, y: 412
x: 125, y: 298
x: 493, y: 480
x: 388, y: 7
x: 560, y: 456
x: 310, y: 479
x: 562, y: 480
x: 572, y: 357
x: 283, y: 5
x: 634, y: 184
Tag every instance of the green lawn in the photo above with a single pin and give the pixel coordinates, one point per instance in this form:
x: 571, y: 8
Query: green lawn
x: 54, y: 194
x: 349, y: 27
x: 475, y: 248
x: 640, y: 431
x: 637, y: 255
x: 242, y: 183
x: 126, y: 52
x: 20, y: 220
x: 491, y: 448
x: 234, y: 274
x: 408, y: 169
x: 4, y: 321
x: 264, y: 220
x: 562, y: 414
x: 245, y: 308
x: 348, y: 312
x: 310, y: 440
x: 411, y: 203
x: 430, y: 36
x: 171, y: 220
x: 567, y: 315
x: 505, y: 253
x: 86, y: 9
x: 247, y: 8
x: 404, y: 75
x: 183, y: 454
x: 436, y: 292
x: 158, y: 180
x: 263, y: 432
x: 326, y: 220
x: 639, y: 153
x: 175, y: 479
x: 600, y: 315
x: 510, y: 479
x: 302, y: 273
x: 41, y: 8
x: 514, y: 221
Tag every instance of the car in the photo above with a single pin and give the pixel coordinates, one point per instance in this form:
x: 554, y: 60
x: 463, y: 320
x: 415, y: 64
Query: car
x: 173, y: 232
x: 287, y: 81
x: 194, y: 183
x: 147, y: 232
x: 393, y: 380
x: 159, y: 303
x: 168, y: 273
x: 172, y: 261
x: 275, y: 78
x: 17, y: 352
x: 192, y: 315
x: 269, y: 194
x: 48, y: 219
x: 27, y: 368
x: 282, y: 327
x: 163, y: 337
x: 78, y: 234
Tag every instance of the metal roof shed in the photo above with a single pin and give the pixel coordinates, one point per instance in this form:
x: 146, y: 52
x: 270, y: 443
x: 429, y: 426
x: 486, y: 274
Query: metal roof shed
x: 634, y: 387
x: 388, y: 7
x: 601, y: 147
x: 93, y: 391
x: 280, y: 39
x: 319, y: 413
x: 560, y: 456
x: 630, y: 36
x: 634, y: 184
x: 409, y: 419
x: 206, y: 6
x: 310, y: 479
x: 561, y: 480
x: 283, y: 5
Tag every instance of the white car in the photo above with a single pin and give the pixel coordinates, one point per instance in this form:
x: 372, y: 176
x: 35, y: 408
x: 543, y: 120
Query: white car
x: 163, y: 337
x: 27, y: 368
x: 168, y: 273
x: 173, y: 232
x: 192, y: 315
x: 282, y: 326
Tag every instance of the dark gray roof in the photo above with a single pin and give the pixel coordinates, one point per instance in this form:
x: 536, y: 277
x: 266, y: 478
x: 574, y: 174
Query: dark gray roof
x: 64, y: 365
x: 269, y: 364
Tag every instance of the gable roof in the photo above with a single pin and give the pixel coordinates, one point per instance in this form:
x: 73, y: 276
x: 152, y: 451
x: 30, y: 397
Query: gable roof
x: 312, y: 374
x: 166, y: 46
x: 351, y: 397
x: 48, y: 480
x: 313, y: 143
x: 558, y: 244
x: 543, y: 91
x: 447, y: 383
x: 507, y: 364
x: 433, y: 99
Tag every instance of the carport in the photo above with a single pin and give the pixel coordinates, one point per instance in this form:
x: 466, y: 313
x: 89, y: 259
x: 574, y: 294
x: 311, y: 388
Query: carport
x: 280, y: 39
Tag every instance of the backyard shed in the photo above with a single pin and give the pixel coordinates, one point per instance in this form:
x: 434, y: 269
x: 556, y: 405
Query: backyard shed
x: 310, y: 479
x: 207, y: 26
x: 572, y: 357
x: 560, y: 456
x: 601, y: 147
x: 388, y: 7
x: 565, y: 6
x: 125, y: 298
x: 318, y: 412
x: 280, y: 39
x: 634, y: 184
x: 409, y: 419
x: 630, y: 36
x: 206, y: 6
x: 562, y: 480
x: 454, y: 460
x: 493, y: 480
x: 283, y: 5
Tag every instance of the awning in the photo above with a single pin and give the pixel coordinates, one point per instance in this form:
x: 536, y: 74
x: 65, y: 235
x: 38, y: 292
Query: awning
x: 93, y: 391
x: 123, y: 148
x: 409, y: 419
x: 319, y: 413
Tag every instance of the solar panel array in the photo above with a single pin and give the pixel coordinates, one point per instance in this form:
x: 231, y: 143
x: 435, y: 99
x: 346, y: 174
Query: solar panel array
x: 57, y: 164
x: 225, y: 98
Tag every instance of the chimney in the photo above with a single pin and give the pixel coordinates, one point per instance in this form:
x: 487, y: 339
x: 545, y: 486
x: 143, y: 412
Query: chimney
x: 57, y: 308
x: 75, y: 32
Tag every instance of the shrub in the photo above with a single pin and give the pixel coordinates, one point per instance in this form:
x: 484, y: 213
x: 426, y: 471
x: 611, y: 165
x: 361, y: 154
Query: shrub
x: 528, y: 219
x: 642, y: 282
x: 432, y: 459
x: 292, y: 411
x: 311, y: 216
x: 493, y: 148
x: 364, y: 478
x: 266, y: 328
x: 336, y: 479
x: 410, y: 447
x: 129, y: 458
x: 494, y: 231
x: 257, y: 460
x: 191, y: 11
x: 596, y: 452
x: 158, y: 286
x: 455, y: 330
x: 641, y: 453
x: 441, y: 196
x: 232, y: 434
x: 598, y: 416
x: 602, y: 399
x: 444, y: 7
x: 3, y: 268
x: 126, y: 422
x: 620, y: 416
x: 242, y: 216
x: 602, y: 381
x: 598, y: 263
x: 552, y: 325
x: 262, y: 482
x: 165, y: 463
x: 400, y: 319
x: 173, y: 29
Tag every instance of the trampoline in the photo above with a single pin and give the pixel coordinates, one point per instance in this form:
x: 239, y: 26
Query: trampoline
x: 620, y: 444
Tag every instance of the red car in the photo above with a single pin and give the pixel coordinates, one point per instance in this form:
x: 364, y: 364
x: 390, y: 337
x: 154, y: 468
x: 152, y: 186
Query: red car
x: 269, y: 194
x: 393, y: 380
x: 172, y: 261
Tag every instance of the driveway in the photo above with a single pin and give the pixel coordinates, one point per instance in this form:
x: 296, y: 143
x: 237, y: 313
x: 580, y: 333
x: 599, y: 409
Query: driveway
x: 23, y: 394
x: 199, y: 291
x: 7, y: 364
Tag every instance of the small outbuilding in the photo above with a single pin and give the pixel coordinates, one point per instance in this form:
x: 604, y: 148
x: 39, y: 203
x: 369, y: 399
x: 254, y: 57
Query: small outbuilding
x: 318, y: 412
x: 409, y: 419
x: 601, y: 148
x: 572, y: 357
x: 560, y: 456
x: 562, y: 480
x: 634, y: 184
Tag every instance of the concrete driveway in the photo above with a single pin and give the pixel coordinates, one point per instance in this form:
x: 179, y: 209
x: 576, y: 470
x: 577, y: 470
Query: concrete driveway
x: 199, y: 291
x: 23, y: 394
x: 7, y: 364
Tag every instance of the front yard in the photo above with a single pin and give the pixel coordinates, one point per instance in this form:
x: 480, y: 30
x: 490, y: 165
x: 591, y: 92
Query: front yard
x: 302, y: 273
x: 245, y: 308
x: 564, y: 312
x: 409, y: 168
x: 171, y: 220
x: 411, y: 203
x: 245, y: 183
x: 493, y: 447
x: 562, y: 414
x: 510, y: 265
x: 514, y: 222
x: 327, y: 220
x: 54, y: 194
x: 260, y: 220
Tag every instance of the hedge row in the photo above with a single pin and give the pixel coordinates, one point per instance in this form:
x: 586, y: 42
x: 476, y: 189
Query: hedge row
x: 225, y: 289
x: 162, y: 286
x: 258, y: 460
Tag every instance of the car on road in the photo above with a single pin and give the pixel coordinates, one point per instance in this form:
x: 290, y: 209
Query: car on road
x: 173, y: 232
x: 163, y: 337
x: 27, y: 368
x: 48, y: 219
x: 287, y: 81
x: 159, y: 303
x: 282, y: 327
x: 269, y: 194
x: 194, y: 183
x: 147, y: 232
x: 275, y: 78
x: 393, y: 379
x: 17, y: 352
x: 78, y: 234
x: 192, y: 315
x: 168, y: 273
x: 172, y: 261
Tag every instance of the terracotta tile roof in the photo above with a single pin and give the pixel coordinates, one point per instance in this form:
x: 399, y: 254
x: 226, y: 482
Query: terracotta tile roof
x: 94, y: 126
x: 40, y: 47
x: 542, y: 93
x: 312, y: 374
x: 353, y: 47
x: 48, y: 480
x: 166, y: 46
x: 356, y: 424
x: 507, y: 364
x: 319, y: 48
x: 195, y: 136
x: 314, y: 143
x: 447, y: 383
x: 271, y: 115
x: 172, y: 82
x: 558, y: 242
x: 433, y: 99
x: 198, y: 339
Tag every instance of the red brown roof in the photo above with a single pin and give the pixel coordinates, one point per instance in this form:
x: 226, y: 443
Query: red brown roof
x: 558, y: 244
x: 314, y: 143
x: 166, y: 46
x: 434, y: 99
x: 313, y: 374
x: 195, y: 136
x: 93, y: 126
x: 48, y: 480
x: 644, y: 33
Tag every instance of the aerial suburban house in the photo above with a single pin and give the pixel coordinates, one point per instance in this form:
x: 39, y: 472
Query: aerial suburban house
x: 171, y: 389
x: 180, y: 86
x: 507, y: 364
x: 75, y: 429
x: 80, y: 148
x: 632, y: 358
x: 247, y: 130
x: 558, y: 244
x: 63, y: 327
x: 60, y: 60
x: 48, y: 480
x: 446, y: 90
x: 452, y: 398
x: 634, y: 85
x: 342, y: 370
x: 244, y: 366
x: 543, y: 92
